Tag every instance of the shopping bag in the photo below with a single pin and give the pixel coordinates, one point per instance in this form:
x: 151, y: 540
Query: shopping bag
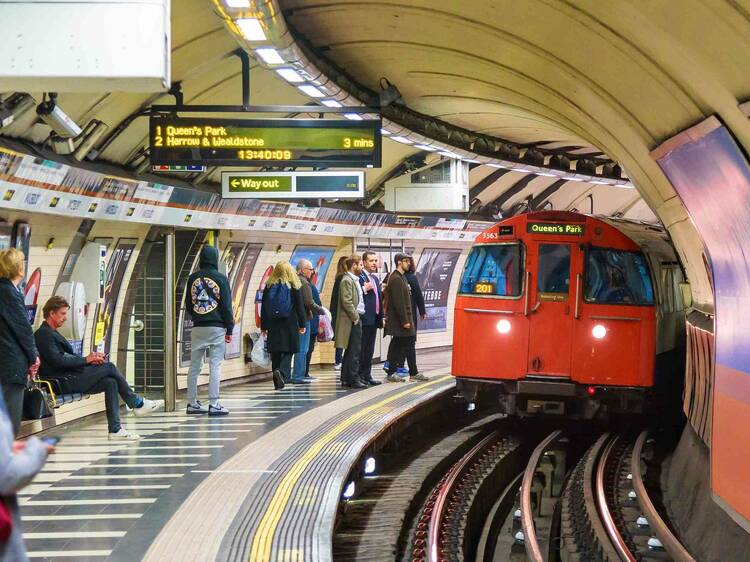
x: 6, y: 522
x: 260, y: 356
x: 325, y: 329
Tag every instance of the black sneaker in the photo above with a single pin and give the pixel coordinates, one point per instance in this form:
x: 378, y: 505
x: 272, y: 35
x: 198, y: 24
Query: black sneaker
x: 278, y: 380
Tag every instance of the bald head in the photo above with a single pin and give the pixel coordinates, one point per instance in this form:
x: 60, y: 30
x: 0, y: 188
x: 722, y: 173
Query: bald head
x: 305, y: 267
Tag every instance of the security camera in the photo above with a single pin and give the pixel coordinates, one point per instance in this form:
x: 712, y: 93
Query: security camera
x: 56, y: 118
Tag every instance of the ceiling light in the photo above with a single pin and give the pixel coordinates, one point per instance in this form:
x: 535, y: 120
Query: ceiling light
x: 289, y: 75
x: 425, y: 147
x: 569, y: 178
x: 599, y: 182
x: 385, y: 132
x: 403, y: 140
x: 331, y: 103
x: 269, y: 55
x: 472, y: 161
x: 524, y: 170
x: 311, y: 91
x: 353, y: 116
x: 237, y: 3
x: 251, y: 29
x: 496, y: 166
x: 547, y: 175
x: 448, y: 154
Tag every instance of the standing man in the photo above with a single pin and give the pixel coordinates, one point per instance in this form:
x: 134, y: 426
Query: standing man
x: 348, y: 331
x: 372, y: 319
x: 312, y: 310
x: 398, y: 315
x: 313, y: 329
x: 208, y: 301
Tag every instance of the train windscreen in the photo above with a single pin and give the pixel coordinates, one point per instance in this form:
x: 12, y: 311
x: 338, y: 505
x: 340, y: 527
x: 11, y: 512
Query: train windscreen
x: 617, y: 277
x: 493, y: 270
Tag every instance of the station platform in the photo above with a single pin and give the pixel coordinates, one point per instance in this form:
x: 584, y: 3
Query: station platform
x: 260, y: 484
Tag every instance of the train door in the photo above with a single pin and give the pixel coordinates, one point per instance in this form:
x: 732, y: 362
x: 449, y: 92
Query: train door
x: 550, y: 317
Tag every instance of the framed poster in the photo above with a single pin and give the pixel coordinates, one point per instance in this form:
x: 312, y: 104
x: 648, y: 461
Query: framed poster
x: 435, y: 272
x: 244, y: 270
x: 320, y: 256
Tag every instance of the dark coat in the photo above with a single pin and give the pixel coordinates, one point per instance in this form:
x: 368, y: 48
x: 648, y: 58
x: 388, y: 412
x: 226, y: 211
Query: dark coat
x: 370, y: 317
x: 283, y: 333
x: 417, y: 298
x: 17, y: 347
x: 398, y: 306
x: 316, y: 317
x: 208, y: 297
x: 311, y: 307
x: 334, y: 308
x: 56, y: 353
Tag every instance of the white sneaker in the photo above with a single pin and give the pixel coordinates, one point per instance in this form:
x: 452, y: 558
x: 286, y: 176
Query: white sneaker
x: 337, y: 367
x: 149, y: 407
x: 123, y: 435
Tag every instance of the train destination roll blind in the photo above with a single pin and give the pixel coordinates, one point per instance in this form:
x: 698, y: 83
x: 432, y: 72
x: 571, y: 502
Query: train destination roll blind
x: 262, y: 142
x: 566, y: 229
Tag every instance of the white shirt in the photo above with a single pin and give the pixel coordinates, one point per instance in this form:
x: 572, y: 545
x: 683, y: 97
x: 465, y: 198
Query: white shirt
x: 361, y: 303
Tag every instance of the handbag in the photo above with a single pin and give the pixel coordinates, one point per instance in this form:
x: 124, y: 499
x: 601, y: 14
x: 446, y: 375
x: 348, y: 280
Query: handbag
x: 38, y: 402
x: 6, y: 522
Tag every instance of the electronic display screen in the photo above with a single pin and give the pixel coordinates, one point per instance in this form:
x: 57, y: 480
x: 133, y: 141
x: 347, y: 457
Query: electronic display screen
x: 263, y: 142
x: 484, y: 288
x: 565, y: 229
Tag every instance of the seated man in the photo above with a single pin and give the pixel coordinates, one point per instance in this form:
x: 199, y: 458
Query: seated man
x: 90, y: 374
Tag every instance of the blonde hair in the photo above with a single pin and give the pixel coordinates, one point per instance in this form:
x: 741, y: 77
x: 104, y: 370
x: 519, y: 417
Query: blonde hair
x: 11, y: 263
x: 283, y: 272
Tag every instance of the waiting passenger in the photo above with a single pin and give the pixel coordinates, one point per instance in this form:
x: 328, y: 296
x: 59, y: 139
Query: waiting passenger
x: 283, y: 320
x: 208, y: 301
x: 20, y: 357
x: 19, y: 463
x: 372, y: 319
x: 417, y: 308
x: 334, y: 306
x: 399, y: 322
x: 348, y: 331
x: 91, y: 374
x: 312, y: 310
x: 314, y: 324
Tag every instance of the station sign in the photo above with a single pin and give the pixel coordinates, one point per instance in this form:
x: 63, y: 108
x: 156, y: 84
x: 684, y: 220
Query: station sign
x: 264, y: 142
x: 292, y: 185
x: 564, y: 229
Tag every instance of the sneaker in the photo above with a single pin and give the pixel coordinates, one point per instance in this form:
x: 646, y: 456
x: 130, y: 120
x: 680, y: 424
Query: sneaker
x: 337, y: 367
x: 148, y: 407
x: 309, y: 378
x: 403, y: 374
x: 300, y: 381
x: 395, y: 378
x: 385, y: 366
x: 217, y: 410
x: 123, y: 435
x: 420, y: 377
x: 278, y: 380
x: 196, y: 408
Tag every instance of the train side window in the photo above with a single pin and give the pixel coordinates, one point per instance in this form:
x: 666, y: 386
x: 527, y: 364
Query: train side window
x: 554, y: 268
x: 493, y: 270
x: 617, y: 277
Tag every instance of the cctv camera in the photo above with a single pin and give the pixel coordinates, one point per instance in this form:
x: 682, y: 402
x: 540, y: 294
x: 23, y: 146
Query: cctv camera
x: 56, y: 118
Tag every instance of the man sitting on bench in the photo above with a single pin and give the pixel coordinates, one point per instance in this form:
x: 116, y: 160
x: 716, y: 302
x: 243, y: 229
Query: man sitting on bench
x: 90, y: 374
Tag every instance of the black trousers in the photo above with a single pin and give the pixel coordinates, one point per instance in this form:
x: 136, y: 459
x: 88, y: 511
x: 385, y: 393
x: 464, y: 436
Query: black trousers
x: 13, y: 394
x: 410, y: 356
x: 310, y: 349
x: 369, y: 334
x: 107, y: 379
x: 350, y: 365
x: 282, y: 361
x: 397, y: 351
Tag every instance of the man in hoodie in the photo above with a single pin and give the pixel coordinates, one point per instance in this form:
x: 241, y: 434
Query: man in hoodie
x: 208, y: 301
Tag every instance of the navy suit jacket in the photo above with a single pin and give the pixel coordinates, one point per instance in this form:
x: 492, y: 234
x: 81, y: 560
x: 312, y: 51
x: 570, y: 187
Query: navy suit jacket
x: 370, y: 318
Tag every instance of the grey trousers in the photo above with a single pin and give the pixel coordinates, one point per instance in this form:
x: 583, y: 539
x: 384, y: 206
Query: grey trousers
x: 13, y: 394
x: 206, y: 339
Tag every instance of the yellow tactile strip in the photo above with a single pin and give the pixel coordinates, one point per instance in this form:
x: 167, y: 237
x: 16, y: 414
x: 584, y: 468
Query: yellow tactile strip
x: 222, y: 500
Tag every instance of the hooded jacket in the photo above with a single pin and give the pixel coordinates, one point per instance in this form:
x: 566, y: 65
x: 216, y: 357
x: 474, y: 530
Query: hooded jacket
x: 208, y: 298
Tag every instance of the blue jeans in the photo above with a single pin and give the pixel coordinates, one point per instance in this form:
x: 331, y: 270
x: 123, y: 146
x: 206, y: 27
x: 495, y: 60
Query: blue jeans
x: 300, y: 358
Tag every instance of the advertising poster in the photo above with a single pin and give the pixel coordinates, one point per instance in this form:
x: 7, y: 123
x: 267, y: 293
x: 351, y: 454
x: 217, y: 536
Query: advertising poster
x: 435, y: 271
x: 320, y: 256
x: 244, y: 271
x: 259, y: 293
x: 31, y: 294
x: 118, y: 264
x: 230, y: 259
x: 187, y: 325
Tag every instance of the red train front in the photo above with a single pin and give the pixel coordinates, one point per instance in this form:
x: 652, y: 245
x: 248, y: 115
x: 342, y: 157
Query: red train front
x: 555, y: 314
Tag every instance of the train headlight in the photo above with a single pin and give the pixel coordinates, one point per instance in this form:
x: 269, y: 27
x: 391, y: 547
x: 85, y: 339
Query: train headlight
x: 503, y: 326
x: 599, y: 331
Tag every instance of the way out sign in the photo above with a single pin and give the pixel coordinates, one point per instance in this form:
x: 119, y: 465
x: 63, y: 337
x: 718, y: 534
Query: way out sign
x: 292, y: 185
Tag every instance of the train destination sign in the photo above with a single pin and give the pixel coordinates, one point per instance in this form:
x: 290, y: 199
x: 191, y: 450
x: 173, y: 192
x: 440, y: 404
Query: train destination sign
x: 292, y: 185
x: 263, y: 142
x: 565, y: 229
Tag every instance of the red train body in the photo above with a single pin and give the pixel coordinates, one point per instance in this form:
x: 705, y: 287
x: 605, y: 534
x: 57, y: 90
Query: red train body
x: 556, y: 313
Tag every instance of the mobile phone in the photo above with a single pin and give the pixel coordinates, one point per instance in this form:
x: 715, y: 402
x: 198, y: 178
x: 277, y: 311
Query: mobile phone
x: 51, y: 440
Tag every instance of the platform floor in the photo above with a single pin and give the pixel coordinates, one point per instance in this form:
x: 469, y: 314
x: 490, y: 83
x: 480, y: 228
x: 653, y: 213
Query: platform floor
x: 95, y: 500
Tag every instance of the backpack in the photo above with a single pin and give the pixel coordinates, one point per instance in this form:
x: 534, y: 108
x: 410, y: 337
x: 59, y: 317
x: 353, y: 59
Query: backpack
x: 279, y: 303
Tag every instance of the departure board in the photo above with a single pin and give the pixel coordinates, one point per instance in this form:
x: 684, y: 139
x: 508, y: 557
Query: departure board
x: 264, y: 142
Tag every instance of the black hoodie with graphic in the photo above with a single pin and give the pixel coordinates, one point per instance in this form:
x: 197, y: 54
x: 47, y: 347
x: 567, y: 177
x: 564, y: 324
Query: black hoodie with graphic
x: 208, y: 298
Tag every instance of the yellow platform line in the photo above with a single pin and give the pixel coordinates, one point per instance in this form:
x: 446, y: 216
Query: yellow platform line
x: 263, y: 539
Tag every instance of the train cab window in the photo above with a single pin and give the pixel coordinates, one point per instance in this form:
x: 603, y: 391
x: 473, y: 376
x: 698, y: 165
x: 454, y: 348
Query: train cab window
x: 617, y: 277
x: 493, y: 270
x: 554, y: 268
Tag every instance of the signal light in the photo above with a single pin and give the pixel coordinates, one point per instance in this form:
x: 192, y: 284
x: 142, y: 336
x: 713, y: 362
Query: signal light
x: 599, y: 331
x: 503, y: 326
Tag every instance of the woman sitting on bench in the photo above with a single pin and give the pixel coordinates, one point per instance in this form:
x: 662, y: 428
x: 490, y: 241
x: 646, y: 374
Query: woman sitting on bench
x: 90, y: 374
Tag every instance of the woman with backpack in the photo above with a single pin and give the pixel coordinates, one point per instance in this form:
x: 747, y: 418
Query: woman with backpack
x: 282, y: 320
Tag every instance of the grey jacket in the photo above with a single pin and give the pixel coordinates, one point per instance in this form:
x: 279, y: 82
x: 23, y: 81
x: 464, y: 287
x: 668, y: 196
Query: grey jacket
x: 15, y: 472
x: 311, y: 307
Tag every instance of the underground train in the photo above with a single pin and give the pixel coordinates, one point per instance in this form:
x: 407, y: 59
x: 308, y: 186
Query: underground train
x: 567, y: 314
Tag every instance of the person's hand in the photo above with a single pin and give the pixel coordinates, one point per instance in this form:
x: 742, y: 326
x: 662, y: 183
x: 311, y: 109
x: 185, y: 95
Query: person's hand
x: 228, y: 338
x: 18, y: 446
x: 265, y: 333
x: 95, y: 358
x: 50, y: 449
x: 407, y: 326
x: 302, y: 331
x: 423, y: 316
x: 367, y: 287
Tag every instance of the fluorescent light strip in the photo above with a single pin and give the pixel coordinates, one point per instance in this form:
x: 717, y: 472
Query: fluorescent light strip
x: 449, y: 154
x: 311, y: 91
x: 470, y: 160
x: 425, y: 147
x: 251, y: 29
x: 237, y: 3
x: 331, y: 103
x: 571, y: 179
x: 269, y: 55
x: 402, y: 140
x: 385, y: 132
x: 497, y: 166
x: 353, y: 116
x: 289, y: 75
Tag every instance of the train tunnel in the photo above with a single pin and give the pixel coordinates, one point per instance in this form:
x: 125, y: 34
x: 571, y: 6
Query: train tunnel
x: 487, y: 110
